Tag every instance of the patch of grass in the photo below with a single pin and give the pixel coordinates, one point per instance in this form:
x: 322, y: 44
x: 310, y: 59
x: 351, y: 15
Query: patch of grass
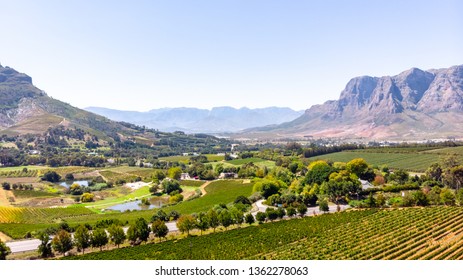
x: 244, y: 161
x: 214, y: 157
x: 192, y: 183
x: 183, y: 159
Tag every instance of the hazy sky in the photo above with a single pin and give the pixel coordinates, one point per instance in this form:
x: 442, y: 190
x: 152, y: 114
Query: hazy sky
x: 140, y: 55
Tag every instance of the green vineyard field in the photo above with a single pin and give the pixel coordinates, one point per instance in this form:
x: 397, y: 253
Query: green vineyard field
x: 411, y: 233
x: 417, y: 162
x: 39, y: 215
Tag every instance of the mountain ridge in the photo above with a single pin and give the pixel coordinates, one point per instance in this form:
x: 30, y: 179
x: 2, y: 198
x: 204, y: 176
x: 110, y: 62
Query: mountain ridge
x: 413, y: 104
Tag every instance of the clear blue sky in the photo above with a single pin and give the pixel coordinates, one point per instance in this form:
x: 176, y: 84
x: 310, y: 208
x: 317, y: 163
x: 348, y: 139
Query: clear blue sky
x: 140, y: 55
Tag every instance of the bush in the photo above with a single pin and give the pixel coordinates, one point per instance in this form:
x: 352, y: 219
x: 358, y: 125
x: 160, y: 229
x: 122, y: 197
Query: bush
x: 87, y: 197
x: 261, y: 217
x: 51, y: 176
x: 6, y: 186
x: 242, y: 199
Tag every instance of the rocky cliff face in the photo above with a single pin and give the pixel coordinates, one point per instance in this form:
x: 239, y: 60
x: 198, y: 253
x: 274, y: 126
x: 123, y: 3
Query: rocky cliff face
x: 413, y: 104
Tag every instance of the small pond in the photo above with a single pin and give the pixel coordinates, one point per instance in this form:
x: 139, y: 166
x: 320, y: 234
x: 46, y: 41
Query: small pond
x: 68, y: 184
x: 156, y: 202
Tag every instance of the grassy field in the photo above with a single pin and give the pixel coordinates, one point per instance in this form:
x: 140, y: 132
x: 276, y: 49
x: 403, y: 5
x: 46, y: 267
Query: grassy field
x: 411, y: 233
x: 217, y: 192
x: 245, y: 160
x: 417, y: 162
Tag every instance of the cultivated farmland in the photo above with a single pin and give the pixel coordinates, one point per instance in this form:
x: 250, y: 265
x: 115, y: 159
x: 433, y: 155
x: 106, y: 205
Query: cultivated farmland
x: 412, y: 233
x: 418, y: 162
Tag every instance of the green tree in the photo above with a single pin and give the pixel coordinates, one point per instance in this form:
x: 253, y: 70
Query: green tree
x: 159, y: 175
x: 51, y: 176
x: 174, y: 173
x: 267, y: 187
x: 82, y: 238
x: 160, y: 215
x: 4, y: 250
x: 371, y: 201
x: 154, y: 189
x: 357, y: 166
x: 447, y: 196
x: 261, y: 217
x: 170, y: 186
x: 271, y: 214
x: 173, y: 215
x: 291, y: 211
x: 323, y: 205
x: 237, y: 216
x: 99, y: 238
x: 380, y: 200
x: 243, y: 200
x: 143, y: 229
x: 318, y: 172
x: 400, y: 176
x: 249, y: 218
x: 186, y: 223
x: 62, y: 242
x: 138, y: 232
x: 302, y: 209
x: 44, y: 249
x: 421, y: 199
x: 132, y: 235
x: 341, y: 184
x: 213, y: 219
x: 202, y: 223
x: 434, y: 172
x: 116, y: 235
x: 160, y: 229
x: 281, y: 212
x: 225, y: 218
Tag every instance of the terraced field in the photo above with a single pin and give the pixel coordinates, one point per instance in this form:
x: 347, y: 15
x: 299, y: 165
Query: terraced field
x: 411, y: 233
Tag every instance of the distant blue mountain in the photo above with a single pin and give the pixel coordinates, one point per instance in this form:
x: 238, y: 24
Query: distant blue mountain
x: 194, y: 120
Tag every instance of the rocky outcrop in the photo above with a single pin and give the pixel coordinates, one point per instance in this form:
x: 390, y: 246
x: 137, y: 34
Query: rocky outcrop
x: 412, y: 104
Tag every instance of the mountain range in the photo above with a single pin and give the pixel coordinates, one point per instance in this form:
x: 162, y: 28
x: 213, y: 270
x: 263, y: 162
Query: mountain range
x: 412, y: 105
x: 194, y: 120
